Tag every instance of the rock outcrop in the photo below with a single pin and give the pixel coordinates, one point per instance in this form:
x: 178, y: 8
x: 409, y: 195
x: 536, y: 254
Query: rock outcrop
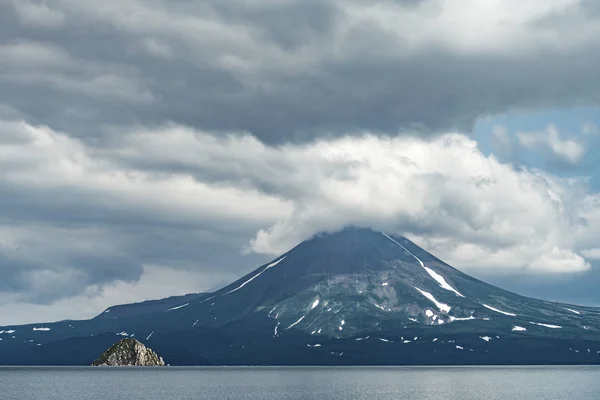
x: 129, y: 352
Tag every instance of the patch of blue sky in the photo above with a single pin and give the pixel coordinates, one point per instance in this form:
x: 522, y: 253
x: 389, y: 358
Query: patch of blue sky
x: 576, y: 123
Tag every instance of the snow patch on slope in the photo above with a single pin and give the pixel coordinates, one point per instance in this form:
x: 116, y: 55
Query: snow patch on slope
x: 297, y: 322
x: 499, y: 311
x: 256, y: 276
x: 442, y: 307
x: 178, y: 307
x: 462, y: 319
x: 440, y: 279
x: 437, y: 277
x: 41, y: 329
x: 546, y: 325
x: 518, y: 329
x: 276, y: 327
x: 405, y: 249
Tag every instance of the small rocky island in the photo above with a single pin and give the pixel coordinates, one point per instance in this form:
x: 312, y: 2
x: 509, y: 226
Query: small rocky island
x: 128, y: 353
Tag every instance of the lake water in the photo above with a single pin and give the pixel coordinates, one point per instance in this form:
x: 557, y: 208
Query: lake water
x: 381, y: 383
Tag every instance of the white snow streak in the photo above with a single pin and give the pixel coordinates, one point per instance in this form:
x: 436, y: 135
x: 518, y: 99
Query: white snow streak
x: 314, y: 304
x: 443, y: 307
x: 459, y: 348
x: 41, y: 329
x: 486, y: 338
x: 499, y: 311
x: 384, y: 284
x: 194, y: 324
x: 573, y: 311
x: 123, y: 333
x: 150, y: 335
x: 518, y: 329
x: 205, y: 300
x: 440, y: 279
x: 256, y: 276
x: 384, y: 340
x: 380, y: 307
x: 461, y: 319
x: 405, y: 249
x: 276, y: 326
x: 178, y: 307
x: 546, y: 325
x: 296, y: 323
x: 437, y: 277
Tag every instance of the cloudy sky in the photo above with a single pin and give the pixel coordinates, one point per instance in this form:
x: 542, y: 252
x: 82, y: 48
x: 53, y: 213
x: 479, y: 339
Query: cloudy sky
x: 159, y: 147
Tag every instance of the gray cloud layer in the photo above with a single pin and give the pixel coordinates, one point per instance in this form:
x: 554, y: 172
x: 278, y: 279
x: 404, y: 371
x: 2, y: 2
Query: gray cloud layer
x: 293, y: 69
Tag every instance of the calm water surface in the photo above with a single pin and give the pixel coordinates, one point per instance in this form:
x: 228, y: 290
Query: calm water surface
x: 466, y: 383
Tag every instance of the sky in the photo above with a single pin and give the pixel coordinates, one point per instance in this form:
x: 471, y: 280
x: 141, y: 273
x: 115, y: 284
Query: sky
x: 158, y: 147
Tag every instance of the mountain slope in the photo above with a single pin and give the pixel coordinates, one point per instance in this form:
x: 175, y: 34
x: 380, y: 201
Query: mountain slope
x: 352, y: 297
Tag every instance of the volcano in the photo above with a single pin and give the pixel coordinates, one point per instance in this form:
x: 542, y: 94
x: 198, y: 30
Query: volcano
x: 354, y: 297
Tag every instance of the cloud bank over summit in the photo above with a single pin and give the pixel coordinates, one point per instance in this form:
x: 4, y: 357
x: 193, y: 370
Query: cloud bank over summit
x: 74, y: 205
x: 196, y: 139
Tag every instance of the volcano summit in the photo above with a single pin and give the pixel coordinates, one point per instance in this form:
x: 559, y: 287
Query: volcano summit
x: 355, y: 297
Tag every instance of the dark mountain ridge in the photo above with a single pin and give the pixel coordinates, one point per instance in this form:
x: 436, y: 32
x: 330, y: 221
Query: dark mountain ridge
x: 355, y: 297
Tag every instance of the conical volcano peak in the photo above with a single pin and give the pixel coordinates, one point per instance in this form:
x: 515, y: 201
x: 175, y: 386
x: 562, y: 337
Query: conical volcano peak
x: 358, y: 272
x: 354, y: 249
x: 351, y: 234
x: 361, y: 252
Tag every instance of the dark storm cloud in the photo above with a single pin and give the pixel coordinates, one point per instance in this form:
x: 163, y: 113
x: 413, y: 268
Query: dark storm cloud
x: 290, y: 71
x: 81, y: 241
x: 45, y: 281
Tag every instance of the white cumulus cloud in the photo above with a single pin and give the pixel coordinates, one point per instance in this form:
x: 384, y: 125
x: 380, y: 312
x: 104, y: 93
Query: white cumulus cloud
x: 550, y: 140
